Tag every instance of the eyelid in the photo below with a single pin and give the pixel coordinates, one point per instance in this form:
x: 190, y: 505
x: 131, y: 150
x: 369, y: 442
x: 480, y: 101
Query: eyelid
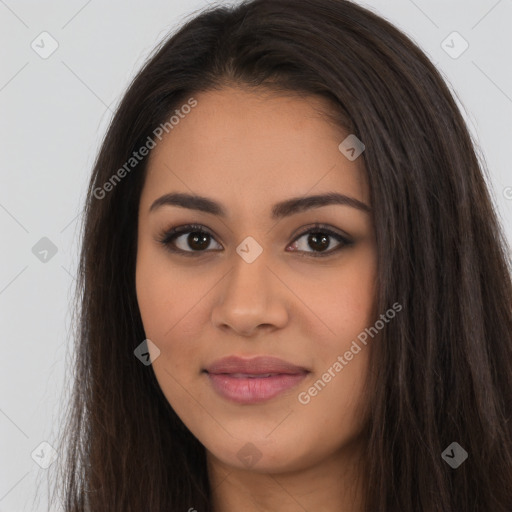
x: 343, y: 240
x: 168, y: 235
x: 324, y: 228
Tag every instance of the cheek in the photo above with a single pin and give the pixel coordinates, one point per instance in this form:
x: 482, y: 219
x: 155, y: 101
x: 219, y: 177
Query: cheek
x: 346, y: 308
x: 332, y: 404
x: 173, y: 310
x: 164, y: 295
x: 169, y: 310
x: 336, y: 410
x: 343, y: 302
x: 155, y: 299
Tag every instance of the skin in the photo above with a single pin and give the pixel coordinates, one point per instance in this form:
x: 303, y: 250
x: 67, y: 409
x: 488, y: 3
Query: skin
x: 249, y: 149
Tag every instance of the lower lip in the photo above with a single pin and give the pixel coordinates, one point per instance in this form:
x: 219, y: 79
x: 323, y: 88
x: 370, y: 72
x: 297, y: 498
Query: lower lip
x: 244, y: 390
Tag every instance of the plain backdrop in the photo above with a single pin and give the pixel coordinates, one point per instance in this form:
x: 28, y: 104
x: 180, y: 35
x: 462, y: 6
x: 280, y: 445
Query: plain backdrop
x: 54, y: 113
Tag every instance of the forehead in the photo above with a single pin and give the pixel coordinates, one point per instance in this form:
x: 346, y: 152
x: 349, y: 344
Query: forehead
x: 255, y: 146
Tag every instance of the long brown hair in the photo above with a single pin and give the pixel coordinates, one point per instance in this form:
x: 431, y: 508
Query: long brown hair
x: 442, y: 370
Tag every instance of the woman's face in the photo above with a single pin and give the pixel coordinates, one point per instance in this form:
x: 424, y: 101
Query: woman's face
x: 255, y: 281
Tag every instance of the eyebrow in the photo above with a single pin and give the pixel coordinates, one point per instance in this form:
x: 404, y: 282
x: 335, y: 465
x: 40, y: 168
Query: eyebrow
x: 279, y: 210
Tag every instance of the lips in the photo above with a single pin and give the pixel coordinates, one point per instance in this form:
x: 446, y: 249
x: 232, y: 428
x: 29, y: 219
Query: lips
x: 249, y: 381
x: 257, y: 366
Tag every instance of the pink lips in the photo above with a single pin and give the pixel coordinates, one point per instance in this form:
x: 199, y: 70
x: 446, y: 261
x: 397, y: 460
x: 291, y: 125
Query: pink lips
x: 248, y: 381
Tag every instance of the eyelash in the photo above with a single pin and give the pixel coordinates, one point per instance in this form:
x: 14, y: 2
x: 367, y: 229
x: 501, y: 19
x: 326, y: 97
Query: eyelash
x: 167, y: 237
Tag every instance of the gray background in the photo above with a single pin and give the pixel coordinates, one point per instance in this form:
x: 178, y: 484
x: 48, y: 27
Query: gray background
x: 54, y: 113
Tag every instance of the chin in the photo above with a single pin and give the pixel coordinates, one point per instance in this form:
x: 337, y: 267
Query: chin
x: 260, y: 455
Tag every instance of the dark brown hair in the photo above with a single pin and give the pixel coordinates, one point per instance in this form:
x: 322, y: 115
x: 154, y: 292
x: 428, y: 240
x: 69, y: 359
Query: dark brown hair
x: 442, y: 370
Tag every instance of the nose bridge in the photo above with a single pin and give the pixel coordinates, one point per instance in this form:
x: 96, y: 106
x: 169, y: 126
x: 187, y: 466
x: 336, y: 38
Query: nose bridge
x: 249, y: 280
x: 250, y: 295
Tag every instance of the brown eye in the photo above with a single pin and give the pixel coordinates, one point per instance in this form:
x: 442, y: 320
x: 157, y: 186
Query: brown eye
x: 188, y: 239
x: 318, y: 241
x: 197, y: 240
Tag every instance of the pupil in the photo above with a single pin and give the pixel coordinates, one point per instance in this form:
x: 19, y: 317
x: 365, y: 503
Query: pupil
x: 198, y: 240
x: 319, y: 239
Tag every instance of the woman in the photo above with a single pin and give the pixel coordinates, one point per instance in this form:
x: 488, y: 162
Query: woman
x: 294, y: 289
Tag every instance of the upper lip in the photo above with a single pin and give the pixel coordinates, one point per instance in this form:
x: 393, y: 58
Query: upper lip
x: 254, y: 366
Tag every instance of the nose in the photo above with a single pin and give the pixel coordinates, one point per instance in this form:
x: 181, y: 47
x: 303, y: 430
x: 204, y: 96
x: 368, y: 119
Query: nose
x: 251, y: 299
